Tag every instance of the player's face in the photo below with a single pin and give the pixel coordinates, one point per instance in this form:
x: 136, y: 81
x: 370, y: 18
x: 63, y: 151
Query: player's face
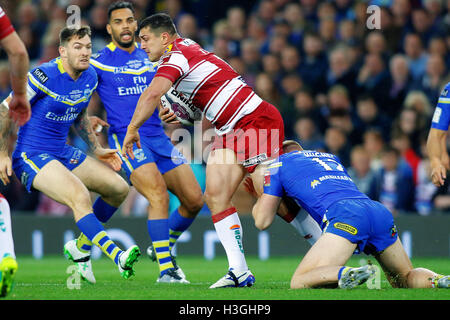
x: 153, y: 44
x: 78, y: 51
x: 122, y: 27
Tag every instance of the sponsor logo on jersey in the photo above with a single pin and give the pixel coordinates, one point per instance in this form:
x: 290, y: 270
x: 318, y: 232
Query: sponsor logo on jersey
x: 394, y: 231
x: 345, y: 227
x: 437, y: 115
x: 40, y: 75
x: 255, y: 160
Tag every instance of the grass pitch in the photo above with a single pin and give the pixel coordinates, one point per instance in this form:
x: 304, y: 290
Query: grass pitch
x: 49, y: 279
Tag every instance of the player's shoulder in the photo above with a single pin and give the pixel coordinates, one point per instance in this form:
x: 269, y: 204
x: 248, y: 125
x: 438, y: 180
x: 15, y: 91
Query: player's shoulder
x: 445, y: 91
x: 92, y: 74
x: 45, y: 72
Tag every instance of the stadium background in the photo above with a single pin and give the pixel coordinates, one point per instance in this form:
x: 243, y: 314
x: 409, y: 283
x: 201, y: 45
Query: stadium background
x: 364, y: 95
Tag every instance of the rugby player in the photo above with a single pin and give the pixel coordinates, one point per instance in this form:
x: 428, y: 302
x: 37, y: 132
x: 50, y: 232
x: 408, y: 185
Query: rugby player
x: 59, y: 92
x: 437, y: 139
x: 19, y: 112
x: 249, y: 130
x: 124, y: 72
x: 350, y: 221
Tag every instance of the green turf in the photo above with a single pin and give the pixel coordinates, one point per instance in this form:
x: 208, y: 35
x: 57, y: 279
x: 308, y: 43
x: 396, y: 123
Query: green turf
x: 47, y: 279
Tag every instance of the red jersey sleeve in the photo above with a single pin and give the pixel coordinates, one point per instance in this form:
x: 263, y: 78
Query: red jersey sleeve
x: 6, y: 28
x: 173, y: 66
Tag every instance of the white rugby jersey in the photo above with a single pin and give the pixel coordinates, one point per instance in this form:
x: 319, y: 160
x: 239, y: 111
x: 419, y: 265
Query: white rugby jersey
x: 209, y: 82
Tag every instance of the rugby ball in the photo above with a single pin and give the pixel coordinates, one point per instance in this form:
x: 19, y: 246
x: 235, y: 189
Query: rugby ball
x: 183, y: 108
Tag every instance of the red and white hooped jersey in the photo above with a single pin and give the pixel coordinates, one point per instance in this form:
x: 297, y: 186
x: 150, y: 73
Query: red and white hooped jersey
x: 6, y: 27
x: 209, y: 82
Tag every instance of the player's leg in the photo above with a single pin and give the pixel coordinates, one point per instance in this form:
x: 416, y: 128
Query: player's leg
x: 182, y: 182
x: 223, y: 176
x: 8, y: 263
x: 76, y: 196
x: 400, y: 273
x: 324, y: 264
x: 112, y: 188
x: 149, y: 182
x: 144, y: 174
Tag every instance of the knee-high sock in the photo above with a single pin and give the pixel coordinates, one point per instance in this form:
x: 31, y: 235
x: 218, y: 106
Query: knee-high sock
x: 306, y: 226
x: 6, y: 238
x: 158, y: 231
x: 177, y: 225
x: 229, y: 230
x: 94, y: 231
x: 103, y: 211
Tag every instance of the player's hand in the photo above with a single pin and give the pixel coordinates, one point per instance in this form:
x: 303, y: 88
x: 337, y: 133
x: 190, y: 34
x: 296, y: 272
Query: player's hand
x: 249, y: 187
x: 97, y: 124
x: 131, y: 138
x: 5, y: 168
x: 168, y: 116
x: 19, y: 109
x: 438, y: 174
x: 110, y: 157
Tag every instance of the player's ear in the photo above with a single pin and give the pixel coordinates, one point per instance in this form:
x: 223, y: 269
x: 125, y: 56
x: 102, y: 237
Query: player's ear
x: 108, y: 29
x: 62, y: 51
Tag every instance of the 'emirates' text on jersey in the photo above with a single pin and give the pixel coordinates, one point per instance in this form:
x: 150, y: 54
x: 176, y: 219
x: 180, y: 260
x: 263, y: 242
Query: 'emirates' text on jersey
x: 56, y: 101
x: 209, y: 82
x: 314, y: 179
x: 122, y: 78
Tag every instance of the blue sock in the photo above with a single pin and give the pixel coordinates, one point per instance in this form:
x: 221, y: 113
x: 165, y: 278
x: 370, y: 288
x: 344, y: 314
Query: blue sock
x: 177, y: 225
x: 102, y: 210
x: 158, y: 230
x: 93, y: 229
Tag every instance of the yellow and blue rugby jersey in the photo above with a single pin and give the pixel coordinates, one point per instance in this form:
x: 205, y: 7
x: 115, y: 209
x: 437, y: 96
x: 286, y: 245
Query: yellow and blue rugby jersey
x: 122, y: 78
x: 441, y: 116
x: 56, y: 101
x: 314, y: 179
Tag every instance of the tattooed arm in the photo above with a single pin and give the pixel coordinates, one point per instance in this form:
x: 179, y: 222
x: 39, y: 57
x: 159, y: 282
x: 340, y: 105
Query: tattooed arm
x: 6, y: 128
x: 108, y: 156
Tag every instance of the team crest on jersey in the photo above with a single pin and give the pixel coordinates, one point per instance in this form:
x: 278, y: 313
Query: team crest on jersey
x: 315, y: 183
x: 444, y: 92
x: 346, y: 227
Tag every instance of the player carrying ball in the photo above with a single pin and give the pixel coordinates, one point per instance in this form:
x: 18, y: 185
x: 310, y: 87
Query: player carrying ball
x: 249, y: 130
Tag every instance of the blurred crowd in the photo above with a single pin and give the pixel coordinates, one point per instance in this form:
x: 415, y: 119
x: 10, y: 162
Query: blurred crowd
x: 366, y: 95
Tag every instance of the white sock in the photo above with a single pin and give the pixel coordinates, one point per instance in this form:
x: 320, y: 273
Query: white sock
x: 306, y: 226
x: 230, y: 233
x: 6, y: 239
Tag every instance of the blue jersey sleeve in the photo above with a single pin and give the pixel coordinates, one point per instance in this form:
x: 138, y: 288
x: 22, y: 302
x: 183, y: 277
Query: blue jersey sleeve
x: 441, y: 116
x: 272, y: 181
x: 36, y: 87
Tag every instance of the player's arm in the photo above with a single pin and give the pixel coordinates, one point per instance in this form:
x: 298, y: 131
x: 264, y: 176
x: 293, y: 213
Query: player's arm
x: 6, y: 128
x: 437, y: 152
x: 19, y: 106
x: 147, y: 103
x: 108, y: 156
x: 265, y: 209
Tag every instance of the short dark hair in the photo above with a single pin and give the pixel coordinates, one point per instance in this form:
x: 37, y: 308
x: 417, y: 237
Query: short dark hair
x: 158, y: 23
x: 119, y: 5
x: 67, y: 33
